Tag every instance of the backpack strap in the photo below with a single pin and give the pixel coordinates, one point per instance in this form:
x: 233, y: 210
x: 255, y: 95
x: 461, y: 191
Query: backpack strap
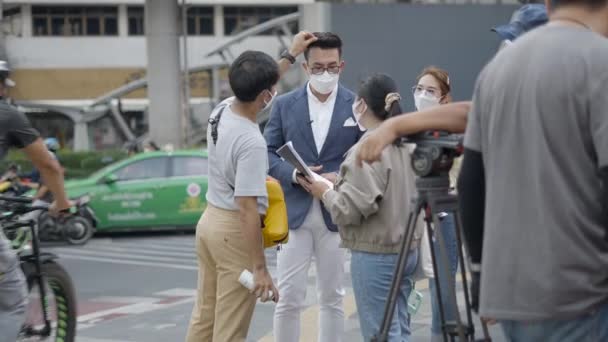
x: 214, y: 122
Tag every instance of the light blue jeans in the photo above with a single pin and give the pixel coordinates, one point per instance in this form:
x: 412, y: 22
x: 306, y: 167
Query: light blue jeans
x: 372, y: 274
x: 448, y: 229
x: 13, y: 293
x: 592, y: 327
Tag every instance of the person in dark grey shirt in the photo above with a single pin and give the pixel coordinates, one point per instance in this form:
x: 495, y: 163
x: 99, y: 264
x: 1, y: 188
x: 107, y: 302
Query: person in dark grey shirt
x: 537, y: 151
x: 17, y: 132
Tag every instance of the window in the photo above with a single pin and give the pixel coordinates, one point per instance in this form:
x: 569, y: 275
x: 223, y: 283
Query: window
x: 238, y: 19
x: 74, y: 21
x: 11, y: 20
x: 136, y: 21
x: 144, y: 169
x: 200, y: 21
x: 189, y: 166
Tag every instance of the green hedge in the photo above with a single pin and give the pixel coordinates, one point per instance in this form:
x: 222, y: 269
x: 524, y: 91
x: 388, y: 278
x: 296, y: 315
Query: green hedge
x: 76, y: 164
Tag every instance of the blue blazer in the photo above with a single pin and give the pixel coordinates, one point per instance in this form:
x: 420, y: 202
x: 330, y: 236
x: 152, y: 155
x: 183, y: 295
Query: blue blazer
x: 290, y: 121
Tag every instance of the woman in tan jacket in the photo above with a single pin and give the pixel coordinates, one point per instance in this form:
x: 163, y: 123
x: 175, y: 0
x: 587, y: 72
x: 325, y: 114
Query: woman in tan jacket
x: 371, y: 205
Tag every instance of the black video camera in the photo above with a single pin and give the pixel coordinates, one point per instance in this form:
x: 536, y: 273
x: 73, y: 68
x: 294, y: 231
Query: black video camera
x: 435, y: 152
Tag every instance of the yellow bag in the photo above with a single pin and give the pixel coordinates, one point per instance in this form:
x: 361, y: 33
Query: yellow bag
x: 4, y: 186
x: 276, y: 225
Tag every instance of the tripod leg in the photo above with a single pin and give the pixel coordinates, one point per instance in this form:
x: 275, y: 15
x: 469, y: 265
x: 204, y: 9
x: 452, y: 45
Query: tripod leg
x: 486, y: 332
x: 465, y: 283
x: 446, y: 274
x: 429, y: 229
x: 459, y: 235
x: 391, y: 300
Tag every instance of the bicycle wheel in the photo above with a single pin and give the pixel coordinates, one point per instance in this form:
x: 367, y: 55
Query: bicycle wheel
x: 60, y: 305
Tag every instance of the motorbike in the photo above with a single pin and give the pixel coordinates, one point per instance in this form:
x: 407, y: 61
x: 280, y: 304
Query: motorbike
x: 11, y: 184
x: 76, y: 230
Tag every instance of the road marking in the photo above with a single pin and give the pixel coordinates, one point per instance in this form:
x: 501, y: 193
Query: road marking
x: 165, y: 326
x: 132, y: 309
x: 177, y: 292
x: 154, y: 246
x: 128, y: 262
x: 89, y: 339
x: 123, y: 300
x: 125, y: 255
x: 309, y: 317
x: 190, y: 243
x: 102, y: 248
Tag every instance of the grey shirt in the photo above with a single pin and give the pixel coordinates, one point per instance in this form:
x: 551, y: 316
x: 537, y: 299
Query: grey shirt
x: 15, y: 131
x: 238, y: 163
x: 540, y: 120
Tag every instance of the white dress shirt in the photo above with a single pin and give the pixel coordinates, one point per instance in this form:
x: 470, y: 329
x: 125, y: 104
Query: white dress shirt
x: 320, y: 118
x: 320, y: 115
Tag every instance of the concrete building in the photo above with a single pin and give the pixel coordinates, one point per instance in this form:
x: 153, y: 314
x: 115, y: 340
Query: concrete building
x: 87, y: 69
x: 66, y: 53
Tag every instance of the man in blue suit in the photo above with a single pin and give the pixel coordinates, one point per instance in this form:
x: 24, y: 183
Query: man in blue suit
x: 318, y: 120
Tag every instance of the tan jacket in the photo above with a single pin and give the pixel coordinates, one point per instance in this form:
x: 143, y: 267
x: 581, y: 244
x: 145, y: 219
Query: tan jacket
x: 371, y: 204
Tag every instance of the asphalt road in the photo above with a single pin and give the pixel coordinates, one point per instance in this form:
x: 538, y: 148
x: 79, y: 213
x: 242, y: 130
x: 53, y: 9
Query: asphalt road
x: 134, y: 288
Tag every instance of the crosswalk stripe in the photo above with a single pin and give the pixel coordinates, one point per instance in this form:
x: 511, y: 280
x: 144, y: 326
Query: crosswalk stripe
x: 90, y: 339
x: 137, y: 308
x: 155, y: 246
x: 187, y: 240
x: 124, y: 300
x: 112, y: 248
x: 128, y: 262
x: 190, y: 243
x: 177, y: 292
x: 126, y: 256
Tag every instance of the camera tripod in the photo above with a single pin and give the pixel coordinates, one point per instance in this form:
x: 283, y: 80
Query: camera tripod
x: 433, y: 198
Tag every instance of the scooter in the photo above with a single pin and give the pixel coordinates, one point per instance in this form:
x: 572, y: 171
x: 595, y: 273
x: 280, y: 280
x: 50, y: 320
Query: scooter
x: 11, y: 184
x: 76, y: 229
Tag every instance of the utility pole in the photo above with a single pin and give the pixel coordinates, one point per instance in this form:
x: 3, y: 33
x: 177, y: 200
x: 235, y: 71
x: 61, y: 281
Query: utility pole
x: 186, y: 110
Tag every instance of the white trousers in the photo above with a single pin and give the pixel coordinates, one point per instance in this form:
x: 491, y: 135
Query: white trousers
x: 311, y: 239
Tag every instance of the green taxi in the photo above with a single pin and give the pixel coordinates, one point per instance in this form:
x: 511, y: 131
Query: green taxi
x: 154, y: 190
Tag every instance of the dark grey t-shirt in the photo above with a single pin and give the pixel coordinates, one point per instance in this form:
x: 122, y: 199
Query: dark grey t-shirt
x: 540, y: 119
x: 15, y: 131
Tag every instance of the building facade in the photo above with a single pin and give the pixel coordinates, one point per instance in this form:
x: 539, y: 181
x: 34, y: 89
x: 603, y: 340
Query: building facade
x: 67, y: 53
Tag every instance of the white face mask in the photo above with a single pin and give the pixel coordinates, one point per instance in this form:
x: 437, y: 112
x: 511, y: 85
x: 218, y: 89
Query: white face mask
x: 359, y: 114
x: 269, y: 103
x: 424, y: 101
x: 324, y: 83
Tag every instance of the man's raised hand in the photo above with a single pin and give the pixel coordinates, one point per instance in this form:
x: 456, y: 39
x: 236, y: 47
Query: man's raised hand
x: 300, y: 43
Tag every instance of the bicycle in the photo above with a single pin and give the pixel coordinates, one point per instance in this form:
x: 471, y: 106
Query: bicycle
x: 49, y: 284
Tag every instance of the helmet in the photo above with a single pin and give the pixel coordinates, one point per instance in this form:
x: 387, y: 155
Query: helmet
x: 4, y: 73
x: 4, y: 67
x: 52, y: 144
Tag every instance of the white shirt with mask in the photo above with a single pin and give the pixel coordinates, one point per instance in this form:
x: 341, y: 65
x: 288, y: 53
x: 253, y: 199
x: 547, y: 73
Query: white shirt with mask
x: 320, y: 118
x: 320, y: 115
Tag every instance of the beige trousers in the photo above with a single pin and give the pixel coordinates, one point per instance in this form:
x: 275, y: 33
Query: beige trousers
x: 223, y: 308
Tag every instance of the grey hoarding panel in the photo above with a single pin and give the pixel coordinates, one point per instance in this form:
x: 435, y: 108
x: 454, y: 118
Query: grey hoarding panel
x: 401, y: 40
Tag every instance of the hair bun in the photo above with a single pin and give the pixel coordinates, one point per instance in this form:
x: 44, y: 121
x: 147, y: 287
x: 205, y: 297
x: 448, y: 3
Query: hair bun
x: 390, y: 99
